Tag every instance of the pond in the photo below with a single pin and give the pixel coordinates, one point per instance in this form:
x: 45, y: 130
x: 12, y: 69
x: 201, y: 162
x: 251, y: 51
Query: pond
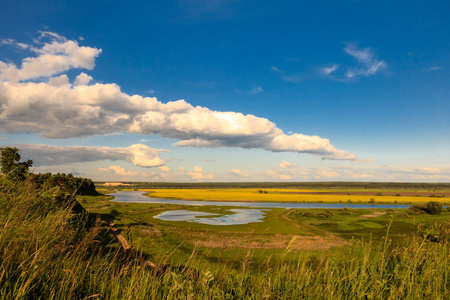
x: 237, y: 216
x: 252, y: 211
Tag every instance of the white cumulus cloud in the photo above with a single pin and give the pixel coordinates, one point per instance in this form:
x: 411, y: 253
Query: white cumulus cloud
x: 58, y: 109
x: 83, y: 79
x: 127, y: 174
x: 239, y: 173
x: 164, y: 168
x: 285, y: 164
x: 52, y: 58
x: 59, y: 81
x: 199, y: 174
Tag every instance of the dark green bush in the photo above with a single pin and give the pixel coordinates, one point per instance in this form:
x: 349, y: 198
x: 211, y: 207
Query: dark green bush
x: 345, y: 213
x: 115, y: 213
x: 431, y: 208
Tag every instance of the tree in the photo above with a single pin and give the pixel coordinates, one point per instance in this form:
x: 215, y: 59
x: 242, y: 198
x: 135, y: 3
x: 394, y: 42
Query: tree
x: 433, y: 208
x: 10, y: 165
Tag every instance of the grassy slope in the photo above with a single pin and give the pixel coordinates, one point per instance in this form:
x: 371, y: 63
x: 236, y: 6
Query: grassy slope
x: 47, y: 252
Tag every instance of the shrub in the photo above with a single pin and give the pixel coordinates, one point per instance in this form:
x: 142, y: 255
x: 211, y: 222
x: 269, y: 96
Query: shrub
x: 299, y: 212
x: 115, y: 213
x: 326, y: 214
x: 413, y: 212
x: 431, y: 208
x: 346, y: 209
x: 345, y: 213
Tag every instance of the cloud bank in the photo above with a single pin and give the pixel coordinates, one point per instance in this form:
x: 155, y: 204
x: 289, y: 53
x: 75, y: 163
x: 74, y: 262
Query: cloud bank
x: 36, y: 98
x: 45, y: 155
x: 126, y: 173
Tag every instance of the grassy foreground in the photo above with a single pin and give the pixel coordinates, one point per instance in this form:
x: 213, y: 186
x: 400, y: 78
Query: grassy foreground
x: 48, y: 250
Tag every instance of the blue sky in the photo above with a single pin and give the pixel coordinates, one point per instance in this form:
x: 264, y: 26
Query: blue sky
x: 270, y: 90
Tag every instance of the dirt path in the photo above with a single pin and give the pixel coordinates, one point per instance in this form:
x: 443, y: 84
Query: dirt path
x: 124, y: 244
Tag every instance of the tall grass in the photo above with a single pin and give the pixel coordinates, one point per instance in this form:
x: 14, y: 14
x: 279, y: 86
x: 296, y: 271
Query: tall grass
x: 46, y: 252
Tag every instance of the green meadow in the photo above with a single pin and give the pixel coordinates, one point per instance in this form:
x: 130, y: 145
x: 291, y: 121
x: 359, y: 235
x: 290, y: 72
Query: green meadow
x: 57, y: 246
x: 309, y: 231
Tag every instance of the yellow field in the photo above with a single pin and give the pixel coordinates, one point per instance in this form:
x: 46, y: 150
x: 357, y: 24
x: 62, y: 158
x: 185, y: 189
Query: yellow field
x: 276, y: 195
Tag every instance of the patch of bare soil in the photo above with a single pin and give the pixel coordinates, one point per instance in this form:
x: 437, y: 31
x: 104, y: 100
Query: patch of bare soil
x: 375, y: 214
x: 151, y: 231
x: 104, y: 207
x: 277, y: 241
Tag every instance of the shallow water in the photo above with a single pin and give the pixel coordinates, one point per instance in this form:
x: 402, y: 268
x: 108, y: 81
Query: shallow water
x: 237, y: 216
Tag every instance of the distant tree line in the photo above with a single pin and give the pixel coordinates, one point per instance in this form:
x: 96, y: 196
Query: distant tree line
x: 67, y: 182
x: 291, y: 185
x: 15, y: 170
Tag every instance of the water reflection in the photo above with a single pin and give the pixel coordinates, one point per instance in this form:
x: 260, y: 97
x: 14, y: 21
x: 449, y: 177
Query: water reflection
x: 237, y: 216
